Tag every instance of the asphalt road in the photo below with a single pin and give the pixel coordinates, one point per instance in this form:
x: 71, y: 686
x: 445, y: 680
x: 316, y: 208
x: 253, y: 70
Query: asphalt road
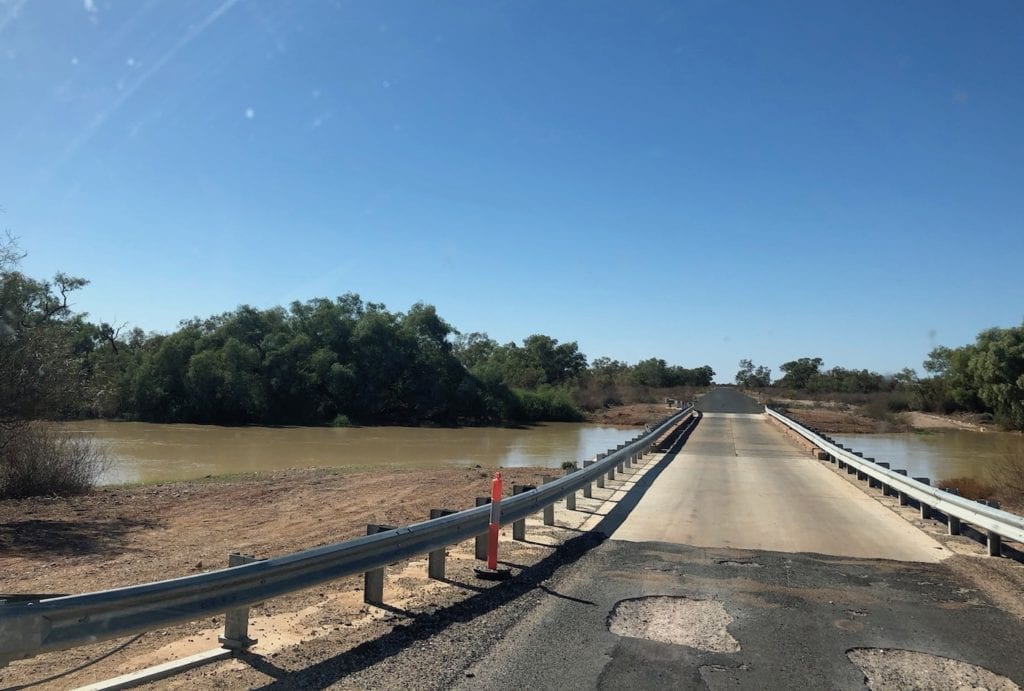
x: 794, y: 618
x: 743, y: 527
x: 727, y: 400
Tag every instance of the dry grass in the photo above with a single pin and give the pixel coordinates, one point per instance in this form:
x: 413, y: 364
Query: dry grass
x: 1007, y: 475
x: 38, y: 459
x: 970, y: 488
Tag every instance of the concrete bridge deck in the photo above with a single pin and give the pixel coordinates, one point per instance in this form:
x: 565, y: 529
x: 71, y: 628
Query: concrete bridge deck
x: 740, y: 483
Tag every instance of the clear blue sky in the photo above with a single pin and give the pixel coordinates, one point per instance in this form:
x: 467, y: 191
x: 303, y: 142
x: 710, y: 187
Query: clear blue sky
x: 698, y: 181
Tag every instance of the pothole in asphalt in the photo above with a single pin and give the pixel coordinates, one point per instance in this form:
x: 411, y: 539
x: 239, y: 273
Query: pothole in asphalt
x: 888, y: 669
x: 700, y: 624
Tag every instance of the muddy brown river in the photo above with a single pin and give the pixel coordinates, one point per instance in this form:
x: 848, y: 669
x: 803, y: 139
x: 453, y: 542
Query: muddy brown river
x: 938, y: 455
x: 144, y: 452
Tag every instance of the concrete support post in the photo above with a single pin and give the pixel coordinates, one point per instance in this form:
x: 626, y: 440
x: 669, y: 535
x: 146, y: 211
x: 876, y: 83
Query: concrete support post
x: 373, y: 581
x: 600, y: 481
x: 588, y: 490
x: 435, y: 559
x: 549, y: 510
x: 236, y: 621
x: 480, y: 544
x: 570, y: 498
x: 842, y: 464
x: 621, y: 467
x: 995, y: 545
x: 611, y: 473
x: 886, y: 490
x: 953, y: 525
x: 926, y: 511
x: 519, y: 527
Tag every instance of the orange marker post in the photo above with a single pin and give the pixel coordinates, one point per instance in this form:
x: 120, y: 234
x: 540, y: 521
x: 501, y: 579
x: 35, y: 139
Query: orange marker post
x: 495, y: 526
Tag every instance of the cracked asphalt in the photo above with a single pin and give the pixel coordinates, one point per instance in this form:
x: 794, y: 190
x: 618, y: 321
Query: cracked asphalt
x: 794, y: 611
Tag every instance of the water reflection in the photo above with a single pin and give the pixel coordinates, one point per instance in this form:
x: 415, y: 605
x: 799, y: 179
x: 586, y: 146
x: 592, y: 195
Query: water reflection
x: 145, y: 452
x: 938, y: 455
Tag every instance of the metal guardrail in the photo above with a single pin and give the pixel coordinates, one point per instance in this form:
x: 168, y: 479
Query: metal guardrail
x: 28, y: 629
x: 991, y: 520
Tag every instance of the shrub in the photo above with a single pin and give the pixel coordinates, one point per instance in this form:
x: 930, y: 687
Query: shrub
x: 1007, y: 474
x: 969, y: 487
x: 546, y: 403
x: 43, y: 459
x: 569, y: 465
x: 342, y: 421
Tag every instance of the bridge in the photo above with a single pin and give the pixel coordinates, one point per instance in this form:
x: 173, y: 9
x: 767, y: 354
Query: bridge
x: 747, y: 564
x: 732, y: 558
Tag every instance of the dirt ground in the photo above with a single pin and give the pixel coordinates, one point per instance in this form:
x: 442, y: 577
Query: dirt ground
x: 127, y: 535
x: 837, y: 417
x: 836, y: 420
x: 633, y: 414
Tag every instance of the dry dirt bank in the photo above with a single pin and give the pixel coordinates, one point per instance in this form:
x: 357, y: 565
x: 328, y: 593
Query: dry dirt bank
x: 126, y: 535
x: 632, y: 414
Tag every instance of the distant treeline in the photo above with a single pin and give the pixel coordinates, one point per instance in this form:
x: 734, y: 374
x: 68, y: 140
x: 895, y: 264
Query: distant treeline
x: 986, y: 376
x: 341, y: 361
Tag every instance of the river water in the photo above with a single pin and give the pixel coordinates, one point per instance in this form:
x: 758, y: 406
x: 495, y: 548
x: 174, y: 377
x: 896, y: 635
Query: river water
x: 144, y: 452
x: 938, y: 455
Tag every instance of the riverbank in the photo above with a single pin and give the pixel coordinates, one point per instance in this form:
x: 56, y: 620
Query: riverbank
x: 842, y: 418
x: 629, y: 415
x: 118, y: 536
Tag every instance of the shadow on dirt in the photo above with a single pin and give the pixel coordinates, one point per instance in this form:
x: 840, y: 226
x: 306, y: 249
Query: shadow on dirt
x: 35, y: 537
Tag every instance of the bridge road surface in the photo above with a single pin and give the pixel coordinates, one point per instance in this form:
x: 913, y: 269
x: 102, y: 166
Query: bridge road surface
x: 768, y: 568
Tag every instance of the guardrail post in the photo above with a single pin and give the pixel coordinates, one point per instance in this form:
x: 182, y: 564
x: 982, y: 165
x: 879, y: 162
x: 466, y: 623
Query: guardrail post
x: 621, y: 467
x: 570, y: 499
x: 480, y: 543
x: 519, y: 527
x: 995, y: 544
x: 549, y: 510
x: 952, y: 525
x: 926, y: 511
x: 373, y: 580
x: 435, y: 559
x: 600, y: 481
x: 236, y: 621
x: 885, y: 488
x: 588, y: 489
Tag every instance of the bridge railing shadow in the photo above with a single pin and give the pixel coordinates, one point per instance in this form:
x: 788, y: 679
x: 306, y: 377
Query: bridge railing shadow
x: 423, y: 626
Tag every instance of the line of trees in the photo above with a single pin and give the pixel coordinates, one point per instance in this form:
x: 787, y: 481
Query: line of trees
x: 986, y: 376
x: 322, y: 361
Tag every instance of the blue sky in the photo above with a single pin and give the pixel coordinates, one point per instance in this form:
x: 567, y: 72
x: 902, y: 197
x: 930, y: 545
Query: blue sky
x: 698, y: 181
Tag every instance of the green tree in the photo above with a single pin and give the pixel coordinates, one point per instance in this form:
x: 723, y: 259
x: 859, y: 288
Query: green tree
x: 997, y: 368
x: 753, y: 377
x: 798, y: 373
